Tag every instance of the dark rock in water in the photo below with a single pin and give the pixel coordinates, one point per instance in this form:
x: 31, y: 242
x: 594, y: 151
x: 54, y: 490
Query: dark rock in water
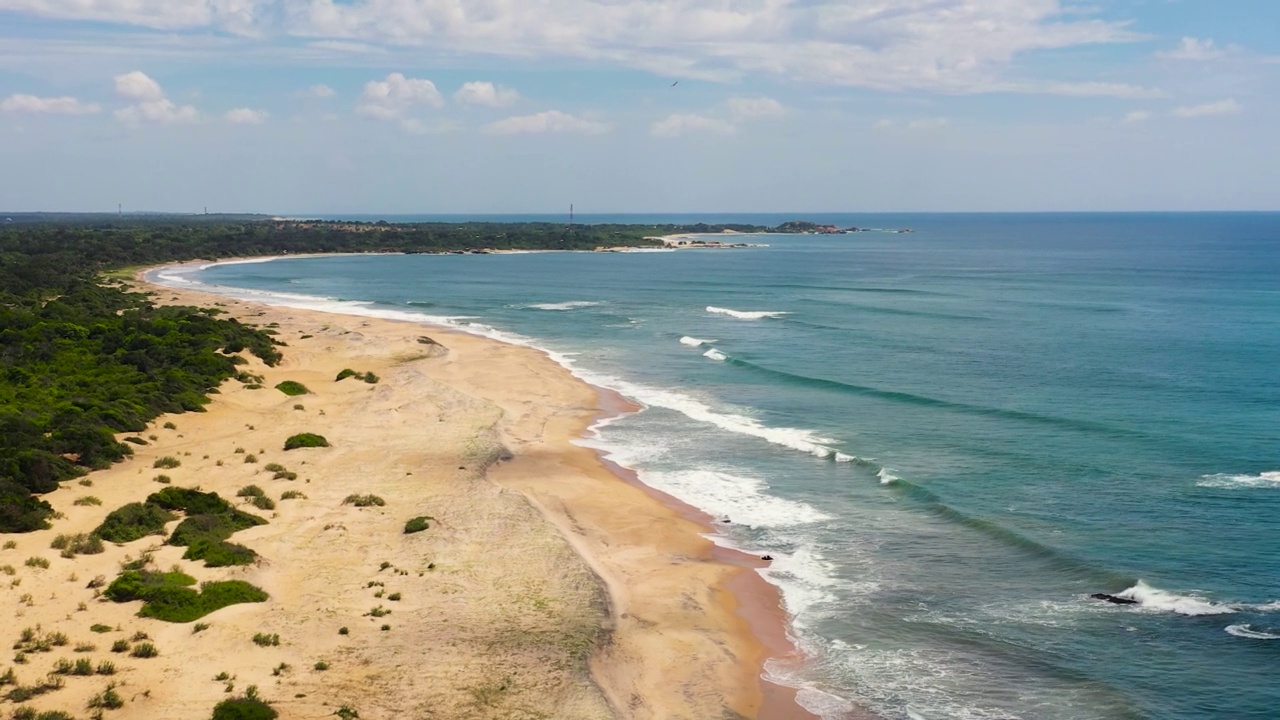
x: 1115, y: 599
x: 766, y: 557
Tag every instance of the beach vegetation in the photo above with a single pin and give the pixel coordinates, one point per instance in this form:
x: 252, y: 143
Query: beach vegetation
x: 87, y: 500
x: 163, y: 479
x: 10, y: 544
x: 120, y: 646
x: 250, y: 459
x: 292, y: 495
x: 250, y: 491
x: 266, y: 640
x: 364, y: 500
x: 273, y: 467
x: 321, y: 666
x: 167, y: 462
x: 100, y: 628
x: 170, y: 426
x: 417, y: 524
x: 135, y: 440
x: 133, y: 521
x: 346, y: 712
x: 108, y: 699
x: 79, y: 544
x: 106, y: 667
x: 247, y: 707
x: 171, y: 597
x: 343, y: 630
x: 305, y: 440
x: 37, y: 562
x: 292, y: 388
x: 284, y: 475
x: 144, y: 650
x: 199, y: 627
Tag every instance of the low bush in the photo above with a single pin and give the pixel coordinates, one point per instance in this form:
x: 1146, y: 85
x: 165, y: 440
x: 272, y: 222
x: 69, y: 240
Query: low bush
x: 219, y: 553
x: 285, y: 475
x: 133, y: 521
x: 364, y: 501
x: 144, y: 650
x: 262, y: 502
x: 273, y: 467
x: 292, y: 388
x: 79, y: 544
x: 266, y: 640
x: 100, y: 628
x: 168, y: 462
x: 87, y: 500
x: 170, y: 597
x: 33, y: 562
x: 163, y: 479
x: 305, y: 440
x: 417, y: 524
x: 108, y: 699
x: 120, y: 646
x: 292, y: 495
x: 243, y: 708
x: 250, y: 491
x: 346, y: 373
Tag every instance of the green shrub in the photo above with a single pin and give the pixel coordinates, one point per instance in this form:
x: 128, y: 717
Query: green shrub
x: 265, y: 640
x: 285, y: 475
x: 170, y: 426
x: 163, y: 479
x: 169, y: 596
x: 108, y: 699
x: 87, y: 500
x: 199, y: 627
x: 322, y: 666
x: 243, y: 708
x: 305, y: 440
x: 250, y: 459
x: 417, y: 524
x: 100, y: 628
x: 343, y: 630
x: 370, y: 378
x: 219, y: 553
x: 250, y: 491
x: 133, y: 521
x: 291, y: 388
x: 84, y: 666
x: 292, y: 495
x: 394, y: 597
x: 213, y: 527
x: 144, y: 650
x: 135, y: 440
x: 364, y: 501
x: 346, y: 373
x: 79, y: 544
x: 262, y: 502
x: 37, y: 562
x: 168, y: 462
x: 120, y: 646
x: 106, y: 667
x: 273, y: 467
x: 193, y: 502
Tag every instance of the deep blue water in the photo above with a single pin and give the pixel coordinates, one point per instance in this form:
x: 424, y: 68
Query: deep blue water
x: 948, y: 439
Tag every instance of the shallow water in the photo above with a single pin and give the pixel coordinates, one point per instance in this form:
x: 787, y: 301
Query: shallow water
x: 948, y: 439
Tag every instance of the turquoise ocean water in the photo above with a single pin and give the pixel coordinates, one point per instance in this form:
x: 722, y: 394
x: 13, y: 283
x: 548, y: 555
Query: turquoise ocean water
x: 948, y: 439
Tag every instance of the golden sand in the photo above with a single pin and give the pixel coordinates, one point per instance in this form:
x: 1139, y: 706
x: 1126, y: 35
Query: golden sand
x: 546, y: 586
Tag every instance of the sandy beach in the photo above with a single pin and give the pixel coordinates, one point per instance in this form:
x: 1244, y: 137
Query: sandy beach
x: 549, y: 585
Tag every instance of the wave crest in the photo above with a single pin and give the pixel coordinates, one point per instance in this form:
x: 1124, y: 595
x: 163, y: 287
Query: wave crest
x: 747, y: 314
x: 1247, y: 631
x: 1152, y: 598
x: 570, y: 305
x: 715, y: 354
x: 693, y: 341
x: 1229, y: 481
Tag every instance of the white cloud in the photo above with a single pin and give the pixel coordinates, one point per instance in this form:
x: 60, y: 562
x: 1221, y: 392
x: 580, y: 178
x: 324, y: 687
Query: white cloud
x: 950, y: 46
x: 1194, y: 49
x: 151, y: 105
x: 486, y: 94
x: 318, y: 91
x: 678, y: 124
x: 161, y: 111
x: 247, y: 116
x: 551, y: 121
x: 755, y: 107
x: 64, y: 105
x: 389, y: 99
x: 1135, y: 117
x: 1221, y: 107
x: 138, y: 86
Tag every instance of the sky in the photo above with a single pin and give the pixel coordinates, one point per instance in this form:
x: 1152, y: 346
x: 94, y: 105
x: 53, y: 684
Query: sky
x: 526, y: 106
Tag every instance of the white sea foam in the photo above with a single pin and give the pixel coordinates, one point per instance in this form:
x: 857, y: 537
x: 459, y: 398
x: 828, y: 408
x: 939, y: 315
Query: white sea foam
x: 693, y: 341
x: 715, y: 354
x: 741, y: 499
x: 1273, y: 606
x: 746, y: 315
x: 887, y: 477
x: 1155, y: 599
x: 1231, y: 482
x: 843, y: 458
x: 571, y: 305
x: 1247, y: 631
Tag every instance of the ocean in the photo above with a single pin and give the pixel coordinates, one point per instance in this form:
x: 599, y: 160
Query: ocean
x: 947, y: 439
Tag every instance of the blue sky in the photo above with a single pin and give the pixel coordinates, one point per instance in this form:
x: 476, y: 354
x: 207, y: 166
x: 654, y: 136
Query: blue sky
x: 469, y: 106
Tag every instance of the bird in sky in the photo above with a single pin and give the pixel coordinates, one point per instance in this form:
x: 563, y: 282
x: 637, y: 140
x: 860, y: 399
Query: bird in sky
x: 675, y: 83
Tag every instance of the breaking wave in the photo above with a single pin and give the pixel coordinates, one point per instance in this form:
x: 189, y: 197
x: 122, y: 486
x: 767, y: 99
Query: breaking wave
x: 1228, y: 481
x: 1151, y: 598
x: 746, y: 314
x: 1247, y: 631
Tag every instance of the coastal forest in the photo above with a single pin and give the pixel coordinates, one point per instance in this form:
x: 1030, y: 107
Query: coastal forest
x: 84, y: 358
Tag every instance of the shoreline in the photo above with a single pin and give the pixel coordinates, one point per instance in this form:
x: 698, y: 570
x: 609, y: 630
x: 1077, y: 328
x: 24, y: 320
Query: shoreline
x: 750, y: 608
